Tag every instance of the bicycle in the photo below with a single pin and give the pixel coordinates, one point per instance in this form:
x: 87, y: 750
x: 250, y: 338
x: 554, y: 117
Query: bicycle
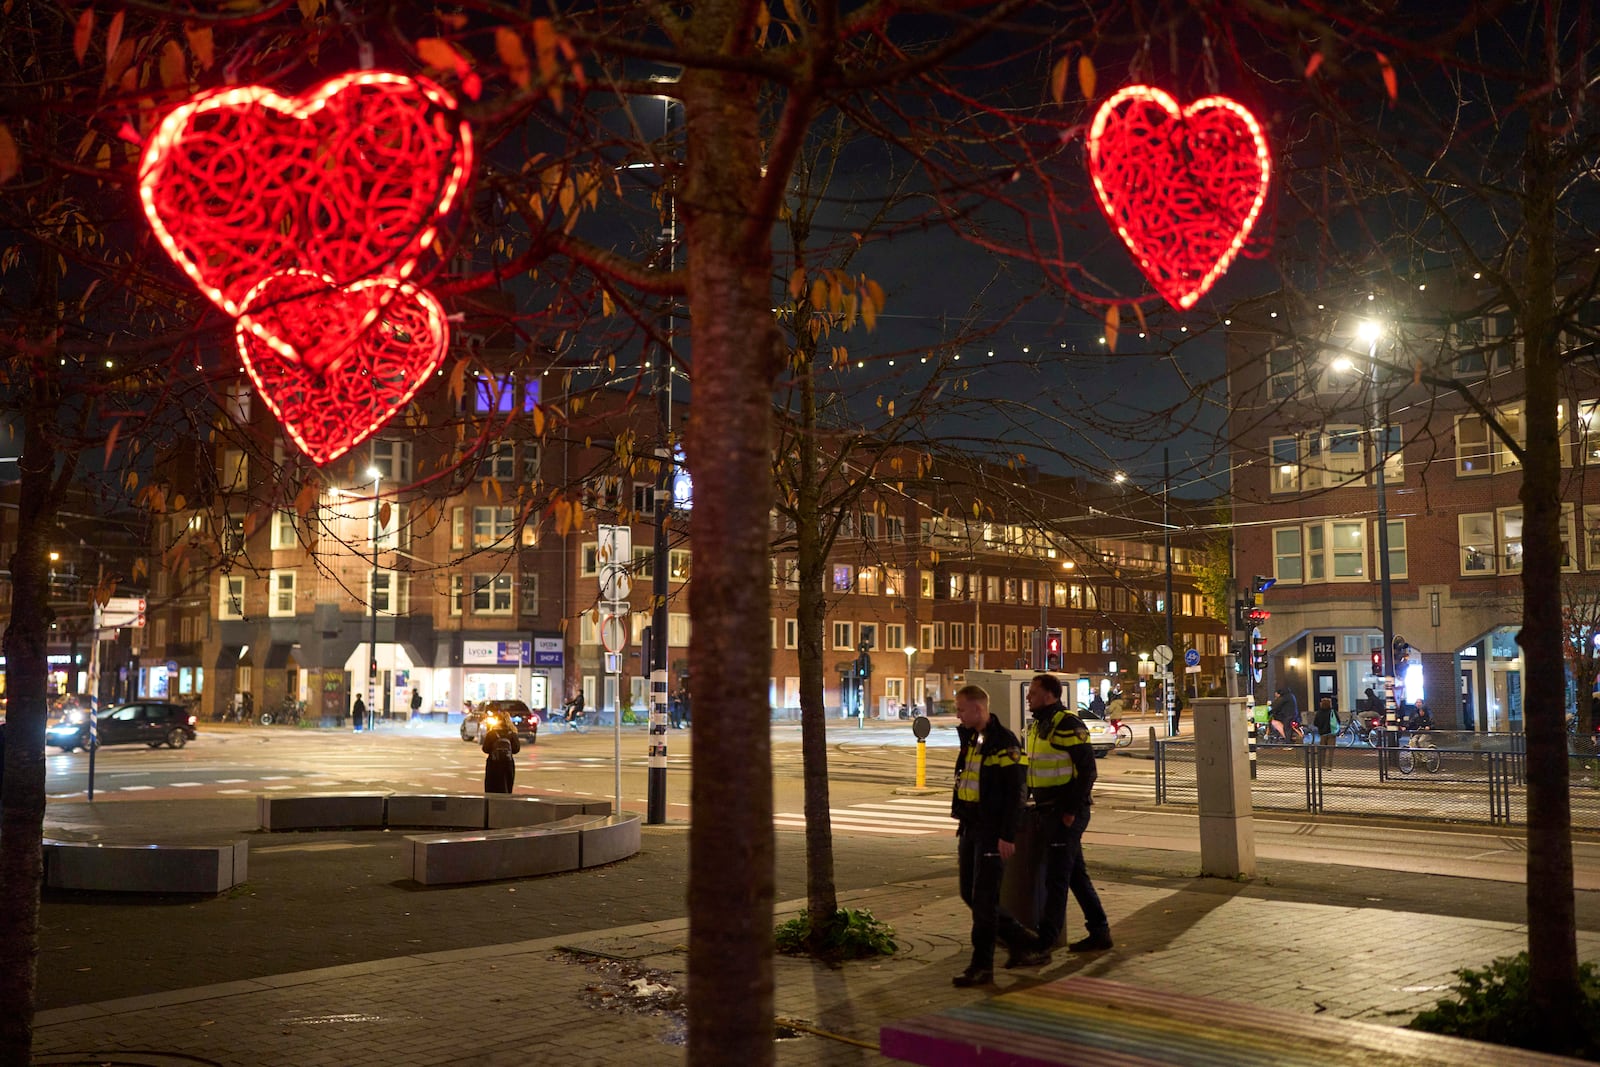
x: 1417, y: 750
x: 289, y: 713
x: 1123, y: 731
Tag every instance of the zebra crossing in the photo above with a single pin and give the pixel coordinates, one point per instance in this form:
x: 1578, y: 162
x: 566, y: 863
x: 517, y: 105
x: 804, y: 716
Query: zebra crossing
x: 900, y: 817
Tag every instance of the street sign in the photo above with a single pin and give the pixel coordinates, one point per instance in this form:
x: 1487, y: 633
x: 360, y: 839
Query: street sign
x: 121, y: 611
x: 1191, y: 657
x: 613, y: 663
x: 614, y: 633
x: 1162, y: 655
x: 615, y: 583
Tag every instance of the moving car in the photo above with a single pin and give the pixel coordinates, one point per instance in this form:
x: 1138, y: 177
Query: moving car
x: 153, y: 722
x: 525, y: 719
x: 1102, y: 735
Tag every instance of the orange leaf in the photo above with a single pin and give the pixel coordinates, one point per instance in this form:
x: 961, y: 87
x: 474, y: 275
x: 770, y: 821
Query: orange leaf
x: 200, y: 44
x: 309, y: 8
x: 1313, y: 65
x: 1113, y: 325
x: 1390, y: 82
x: 1086, y: 77
x: 439, y: 54
x: 174, y: 66
x: 113, y: 41
x: 512, y: 54
x: 82, y: 32
x: 111, y: 440
x: 10, y: 159
x: 1058, y: 80
x: 544, y: 48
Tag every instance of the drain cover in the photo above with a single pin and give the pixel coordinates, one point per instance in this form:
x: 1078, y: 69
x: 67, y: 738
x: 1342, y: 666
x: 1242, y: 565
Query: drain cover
x: 620, y: 948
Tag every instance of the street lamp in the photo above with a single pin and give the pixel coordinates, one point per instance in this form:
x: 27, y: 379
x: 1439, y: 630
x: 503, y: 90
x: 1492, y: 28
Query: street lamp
x: 372, y: 603
x: 910, y: 651
x: 1371, y: 332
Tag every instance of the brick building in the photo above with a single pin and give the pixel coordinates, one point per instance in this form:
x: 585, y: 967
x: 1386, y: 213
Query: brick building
x: 1321, y: 390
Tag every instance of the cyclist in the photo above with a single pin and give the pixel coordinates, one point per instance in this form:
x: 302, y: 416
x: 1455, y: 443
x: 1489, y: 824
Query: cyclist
x: 573, y: 709
x: 1286, y: 715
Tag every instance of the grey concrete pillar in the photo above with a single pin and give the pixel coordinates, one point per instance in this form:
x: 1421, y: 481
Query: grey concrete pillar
x: 1222, y: 776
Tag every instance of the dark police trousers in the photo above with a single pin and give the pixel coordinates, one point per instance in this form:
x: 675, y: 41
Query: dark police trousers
x: 981, y: 868
x: 1063, y: 871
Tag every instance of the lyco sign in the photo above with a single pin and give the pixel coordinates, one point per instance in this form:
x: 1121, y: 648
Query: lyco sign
x: 1324, y: 650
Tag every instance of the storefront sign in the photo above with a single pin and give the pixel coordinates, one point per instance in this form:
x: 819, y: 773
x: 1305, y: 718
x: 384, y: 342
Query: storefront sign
x: 1324, y: 650
x: 548, y: 652
x: 495, y: 653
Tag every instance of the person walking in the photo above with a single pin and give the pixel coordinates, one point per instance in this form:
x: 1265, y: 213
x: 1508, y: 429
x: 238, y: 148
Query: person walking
x: 500, y: 744
x: 358, y: 713
x: 1061, y: 777
x: 987, y: 802
x: 416, y: 704
x: 1327, y: 732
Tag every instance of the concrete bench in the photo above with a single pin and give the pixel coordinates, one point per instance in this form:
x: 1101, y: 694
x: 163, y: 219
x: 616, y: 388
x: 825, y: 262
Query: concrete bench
x: 465, y: 811
x: 565, y: 844
x: 1094, y: 1021
x: 145, y: 868
x: 322, y: 811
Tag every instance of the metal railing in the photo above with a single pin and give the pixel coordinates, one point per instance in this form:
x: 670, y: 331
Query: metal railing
x: 1470, y: 778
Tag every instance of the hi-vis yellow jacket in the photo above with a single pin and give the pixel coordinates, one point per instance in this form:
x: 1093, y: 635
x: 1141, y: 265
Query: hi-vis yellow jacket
x: 1061, y: 767
x: 990, y: 779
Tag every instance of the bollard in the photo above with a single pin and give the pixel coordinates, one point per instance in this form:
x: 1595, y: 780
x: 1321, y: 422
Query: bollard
x: 922, y: 728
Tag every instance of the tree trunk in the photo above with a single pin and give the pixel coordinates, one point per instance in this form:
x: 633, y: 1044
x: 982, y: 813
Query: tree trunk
x: 22, y: 807
x: 736, y: 353
x: 1552, y: 940
x: 822, y: 899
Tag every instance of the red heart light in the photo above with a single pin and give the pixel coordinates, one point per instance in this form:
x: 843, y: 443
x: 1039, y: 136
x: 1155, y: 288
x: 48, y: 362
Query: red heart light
x: 348, y: 180
x: 1182, y: 188
x: 336, y: 362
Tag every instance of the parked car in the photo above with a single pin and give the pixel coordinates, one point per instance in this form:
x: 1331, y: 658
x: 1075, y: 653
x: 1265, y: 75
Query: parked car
x: 1102, y: 735
x: 525, y: 719
x: 153, y: 722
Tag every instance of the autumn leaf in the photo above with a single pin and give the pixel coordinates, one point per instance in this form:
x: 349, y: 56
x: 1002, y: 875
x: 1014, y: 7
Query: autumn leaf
x: 458, y: 381
x: 1113, y: 325
x: 538, y: 420
x: 200, y: 43
x: 1086, y: 77
x: 10, y: 159
x: 111, y: 440
x: 1058, y: 80
x: 113, y: 43
x: 174, y: 66
x: 546, y: 43
x: 509, y: 44
x: 117, y: 63
x: 440, y: 54
x: 82, y: 32
x: 1313, y: 65
x: 1390, y: 82
x: 385, y: 512
x: 607, y: 307
x: 309, y: 8
x: 797, y: 283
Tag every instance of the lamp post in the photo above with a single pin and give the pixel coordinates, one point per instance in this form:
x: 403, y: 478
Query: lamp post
x: 1371, y: 332
x: 910, y: 651
x: 372, y: 603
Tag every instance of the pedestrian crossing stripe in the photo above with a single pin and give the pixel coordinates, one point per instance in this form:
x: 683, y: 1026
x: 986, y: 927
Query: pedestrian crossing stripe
x: 904, y: 818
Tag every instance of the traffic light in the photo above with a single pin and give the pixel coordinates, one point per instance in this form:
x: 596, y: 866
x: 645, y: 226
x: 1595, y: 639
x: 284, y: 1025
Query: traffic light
x: 1255, y: 618
x: 863, y: 666
x: 1258, y: 654
x: 1236, y: 651
x: 1052, y: 650
x: 1377, y: 663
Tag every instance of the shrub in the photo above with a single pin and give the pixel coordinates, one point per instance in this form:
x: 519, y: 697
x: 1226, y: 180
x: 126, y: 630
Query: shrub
x: 1495, y: 1005
x: 852, y: 935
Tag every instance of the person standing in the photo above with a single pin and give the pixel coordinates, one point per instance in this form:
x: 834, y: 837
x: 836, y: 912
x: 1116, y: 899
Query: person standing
x: 500, y: 745
x: 987, y: 801
x: 358, y: 713
x: 1327, y: 735
x: 416, y: 703
x: 1061, y: 777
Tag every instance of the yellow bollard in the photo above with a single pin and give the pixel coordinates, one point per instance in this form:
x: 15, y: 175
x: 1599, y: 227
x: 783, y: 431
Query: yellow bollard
x: 922, y: 763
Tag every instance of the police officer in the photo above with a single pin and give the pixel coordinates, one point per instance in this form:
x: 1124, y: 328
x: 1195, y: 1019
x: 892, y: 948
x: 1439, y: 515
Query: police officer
x: 988, y: 800
x: 1061, y: 776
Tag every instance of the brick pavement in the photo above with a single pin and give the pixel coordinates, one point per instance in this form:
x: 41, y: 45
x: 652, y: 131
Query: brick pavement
x: 574, y: 998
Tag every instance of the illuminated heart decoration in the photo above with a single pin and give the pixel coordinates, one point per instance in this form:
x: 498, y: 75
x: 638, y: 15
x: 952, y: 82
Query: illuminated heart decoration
x: 1182, y: 188
x: 348, y: 180
x: 336, y: 362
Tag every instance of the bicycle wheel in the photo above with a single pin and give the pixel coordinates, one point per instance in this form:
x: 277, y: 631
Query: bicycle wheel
x: 1406, y: 761
x: 1124, y: 735
x: 266, y: 718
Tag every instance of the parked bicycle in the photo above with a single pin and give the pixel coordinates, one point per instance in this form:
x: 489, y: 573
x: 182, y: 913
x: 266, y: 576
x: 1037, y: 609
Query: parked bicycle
x: 288, y: 713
